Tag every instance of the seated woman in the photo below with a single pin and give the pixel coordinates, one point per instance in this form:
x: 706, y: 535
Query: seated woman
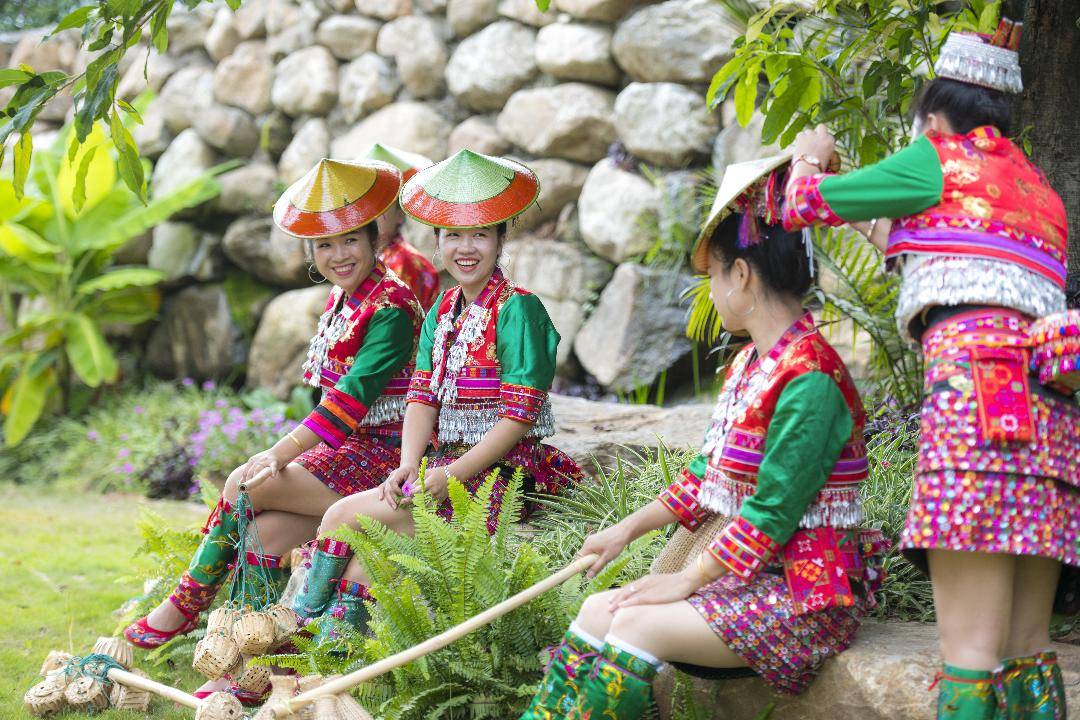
x: 486, y: 362
x: 361, y: 358
x: 785, y: 583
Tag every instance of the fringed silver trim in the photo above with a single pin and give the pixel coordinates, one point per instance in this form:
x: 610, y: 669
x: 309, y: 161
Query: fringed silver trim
x: 839, y: 508
x: 385, y: 409
x: 969, y: 59
x: 333, y: 325
x: 469, y: 423
x: 447, y: 366
x: 954, y: 280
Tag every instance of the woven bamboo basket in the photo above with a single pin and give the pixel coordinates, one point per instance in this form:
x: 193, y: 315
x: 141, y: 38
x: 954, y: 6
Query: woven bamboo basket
x: 309, y: 682
x: 254, y: 632
x: 282, y: 688
x: 115, y: 648
x: 124, y: 697
x: 253, y: 678
x: 216, y: 655
x: 47, y: 697
x: 326, y: 708
x: 221, y: 620
x: 684, y: 545
x: 284, y: 622
x: 87, y: 694
x: 220, y: 706
x: 55, y: 660
x: 349, y: 708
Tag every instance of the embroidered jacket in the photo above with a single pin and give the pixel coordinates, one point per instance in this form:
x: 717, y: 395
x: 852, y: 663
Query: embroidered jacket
x: 977, y: 222
x: 784, y: 458
x: 361, y: 356
x: 493, y: 359
x: 414, y: 269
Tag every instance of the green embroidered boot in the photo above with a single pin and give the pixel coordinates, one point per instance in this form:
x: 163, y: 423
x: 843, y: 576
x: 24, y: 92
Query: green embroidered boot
x: 968, y: 694
x: 347, y: 609
x: 1034, y: 688
x: 570, y: 665
x: 619, y: 687
x: 262, y: 582
x: 328, y: 562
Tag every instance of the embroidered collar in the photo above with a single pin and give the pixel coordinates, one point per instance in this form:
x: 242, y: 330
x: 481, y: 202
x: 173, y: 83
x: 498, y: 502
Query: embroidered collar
x: 463, y: 328
x: 985, y: 131
x: 366, y: 287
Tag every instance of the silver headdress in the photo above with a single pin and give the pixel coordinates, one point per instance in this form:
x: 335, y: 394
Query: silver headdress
x: 990, y: 61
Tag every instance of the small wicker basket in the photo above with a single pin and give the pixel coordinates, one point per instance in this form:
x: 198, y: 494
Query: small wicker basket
x: 220, y: 706
x: 47, y: 697
x: 254, y: 632
x: 309, y: 682
x: 327, y: 708
x: 87, y: 694
x: 54, y: 661
x: 253, y: 678
x: 282, y: 688
x: 284, y: 622
x: 124, y: 697
x: 222, y: 620
x: 350, y: 709
x: 115, y: 648
x: 216, y: 655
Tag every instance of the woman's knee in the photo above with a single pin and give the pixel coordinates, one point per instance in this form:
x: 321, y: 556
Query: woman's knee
x: 594, y: 616
x: 343, y: 512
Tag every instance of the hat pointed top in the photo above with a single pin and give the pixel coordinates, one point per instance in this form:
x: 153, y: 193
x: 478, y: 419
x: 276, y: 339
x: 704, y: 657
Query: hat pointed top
x: 407, y: 162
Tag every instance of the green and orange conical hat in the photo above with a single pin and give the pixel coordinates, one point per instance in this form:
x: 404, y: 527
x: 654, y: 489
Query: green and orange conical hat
x: 336, y: 197
x: 409, y: 163
x: 470, y: 190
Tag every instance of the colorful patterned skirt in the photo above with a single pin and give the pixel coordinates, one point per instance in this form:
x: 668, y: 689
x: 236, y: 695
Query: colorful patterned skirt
x: 757, y: 620
x: 362, y: 462
x: 998, y: 467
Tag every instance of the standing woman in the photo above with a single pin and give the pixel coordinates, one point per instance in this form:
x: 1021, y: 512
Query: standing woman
x: 980, y: 241
x: 398, y: 254
x: 785, y: 582
x: 361, y: 359
x: 484, y: 366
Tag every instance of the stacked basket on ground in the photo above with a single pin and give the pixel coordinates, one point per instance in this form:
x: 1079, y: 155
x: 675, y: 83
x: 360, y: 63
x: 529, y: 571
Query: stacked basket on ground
x: 66, y: 685
x: 328, y: 707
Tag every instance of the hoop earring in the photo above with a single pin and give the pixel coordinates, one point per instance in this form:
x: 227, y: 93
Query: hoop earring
x: 753, y: 307
x: 314, y: 275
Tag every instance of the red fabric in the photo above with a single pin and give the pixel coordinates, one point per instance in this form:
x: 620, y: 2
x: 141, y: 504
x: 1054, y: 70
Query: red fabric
x: 414, y: 269
x: 681, y: 498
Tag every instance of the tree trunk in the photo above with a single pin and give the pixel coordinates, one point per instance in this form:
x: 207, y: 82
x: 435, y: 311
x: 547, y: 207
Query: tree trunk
x: 1049, y: 107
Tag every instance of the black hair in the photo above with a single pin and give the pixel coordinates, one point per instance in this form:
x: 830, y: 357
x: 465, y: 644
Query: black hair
x: 500, y: 230
x: 779, y: 258
x: 965, y: 106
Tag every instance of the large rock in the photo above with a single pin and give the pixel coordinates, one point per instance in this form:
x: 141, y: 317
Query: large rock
x: 564, y: 277
x: 602, y: 10
x: 310, y: 144
x: 185, y: 159
x: 197, y: 336
x: 486, y: 68
x: 222, y: 38
x: 306, y: 82
x: 560, y: 184
x: 678, y: 40
x: 577, y: 51
x: 416, y: 44
x: 736, y: 144
x: 468, y: 16
x: 187, y: 29
x: 183, y: 251
x: 149, y: 73
x: 229, y: 129
x: 571, y: 121
x: 252, y: 188
x: 609, y: 209
x: 56, y: 53
x: 347, y: 36
x: 478, y: 133
x: 410, y: 126
x: 250, y: 19
x: 290, y: 27
x: 152, y: 136
x: 636, y: 330
x: 256, y: 245
x: 280, y: 345
x: 244, y: 78
x: 384, y: 9
x: 367, y: 84
x: 525, y: 11
x: 664, y: 123
x: 884, y: 675
x: 186, y: 93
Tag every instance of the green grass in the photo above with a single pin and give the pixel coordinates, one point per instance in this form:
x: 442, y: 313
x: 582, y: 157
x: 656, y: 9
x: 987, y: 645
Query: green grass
x: 64, y: 560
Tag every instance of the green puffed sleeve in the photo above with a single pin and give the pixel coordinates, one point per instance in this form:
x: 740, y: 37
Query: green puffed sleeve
x: 525, y: 343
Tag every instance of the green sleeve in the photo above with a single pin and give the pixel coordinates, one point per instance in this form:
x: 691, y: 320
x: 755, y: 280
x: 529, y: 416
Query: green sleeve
x: 427, y: 336
x: 526, y: 343
x: 808, y: 430
x: 386, y: 349
x: 906, y: 182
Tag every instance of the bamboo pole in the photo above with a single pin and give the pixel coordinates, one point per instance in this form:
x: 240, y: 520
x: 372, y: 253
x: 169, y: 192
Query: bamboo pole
x: 168, y: 692
x: 348, y: 682
x: 254, y: 482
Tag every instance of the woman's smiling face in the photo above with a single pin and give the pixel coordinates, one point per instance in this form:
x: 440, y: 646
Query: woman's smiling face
x: 470, y: 254
x: 345, y: 260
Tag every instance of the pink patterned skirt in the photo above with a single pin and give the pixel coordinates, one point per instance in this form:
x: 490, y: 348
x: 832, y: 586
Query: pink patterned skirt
x: 999, y: 457
x: 757, y: 620
x: 362, y: 462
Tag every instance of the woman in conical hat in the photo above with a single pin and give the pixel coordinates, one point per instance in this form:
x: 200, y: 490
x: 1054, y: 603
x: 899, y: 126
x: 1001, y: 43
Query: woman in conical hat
x: 784, y: 573
x: 979, y: 239
x: 361, y: 358
x: 399, y: 255
x: 485, y: 363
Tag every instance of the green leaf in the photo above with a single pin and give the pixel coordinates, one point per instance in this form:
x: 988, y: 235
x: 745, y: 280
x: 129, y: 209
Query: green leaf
x: 723, y: 79
x: 783, y: 107
x: 124, y: 8
x: 757, y: 23
x: 746, y: 95
x: 159, y: 32
x: 130, y: 110
x: 28, y: 395
x: 11, y: 76
x: 130, y: 305
x: 99, y: 174
x: 24, y: 149
x: 543, y: 5
x: 78, y: 193
x: 75, y: 18
x: 121, y: 278
x: 21, y: 242
x: 90, y: 355
x: 988, y: 19
x: 131, y: 169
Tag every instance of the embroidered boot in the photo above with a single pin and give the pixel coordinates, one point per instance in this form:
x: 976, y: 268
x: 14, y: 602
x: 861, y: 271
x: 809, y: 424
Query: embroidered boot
x: 968, y: 694
x: 199, y: 584
x: 571, y: 663
x: 347, y: 609
x: 328, y: 562
x: 1034, y: 688
x: 619, y: 686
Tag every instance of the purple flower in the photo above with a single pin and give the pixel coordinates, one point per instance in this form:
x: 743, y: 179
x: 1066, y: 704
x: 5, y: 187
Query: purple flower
x: 138, y: 409
x: 123, y: 453
x: 92, y: 435
x: 127, y: 468
x: 187, y: 382
x: 208, y: 385
x: 221, y: 403
x: 123, y: 436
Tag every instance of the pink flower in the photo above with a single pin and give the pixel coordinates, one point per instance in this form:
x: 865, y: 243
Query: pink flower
x: 208, y: 385
x: 138, y: 409
x: 123, y: 453
x: 127, y: 468
x: 187, y: 382
x: 92, y: 435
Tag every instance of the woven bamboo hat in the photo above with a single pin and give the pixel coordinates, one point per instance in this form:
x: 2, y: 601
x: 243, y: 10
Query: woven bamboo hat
x: 336, y: 197
x: 737, y: 180
x: 409, y: 163
x: 469, y: 190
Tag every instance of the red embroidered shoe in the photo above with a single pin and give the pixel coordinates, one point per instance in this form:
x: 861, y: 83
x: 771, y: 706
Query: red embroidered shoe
x: 141, y: 634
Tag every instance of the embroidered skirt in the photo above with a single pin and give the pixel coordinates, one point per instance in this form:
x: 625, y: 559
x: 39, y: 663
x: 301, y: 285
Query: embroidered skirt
x: 757, y: 621
x: 998, y: 467
x: 362, y: 462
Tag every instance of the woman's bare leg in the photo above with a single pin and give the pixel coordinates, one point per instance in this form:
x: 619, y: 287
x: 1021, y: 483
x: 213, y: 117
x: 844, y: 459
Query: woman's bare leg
x: 1032, y: 605
x: 673, y: 632
x: 973, y: 597
x: 367, y: 503
x: 280, y: 532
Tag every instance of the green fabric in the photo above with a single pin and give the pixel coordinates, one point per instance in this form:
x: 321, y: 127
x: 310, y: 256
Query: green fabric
x: 427, y: 336
x: 902, y: 184
x: 618, y: 688
x: 558, y: 690
x: 967, y: 695
x: 255, y: 587
x: 808, y: 430
x: 526, y: 343
x: 210, y: 563
x: 1034, y: 688
x: 348, y: 609
x: 387, y: 348
x: 319, y: 584
x: 697, y: 466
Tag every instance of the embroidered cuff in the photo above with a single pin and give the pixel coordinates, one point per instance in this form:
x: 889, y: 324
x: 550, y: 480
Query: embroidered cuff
x: 521, y: 402
x: 681, y: 498
x: 743, y: 549
x: 420, y: 389
x: 804, y: 205
x: 336, y: 417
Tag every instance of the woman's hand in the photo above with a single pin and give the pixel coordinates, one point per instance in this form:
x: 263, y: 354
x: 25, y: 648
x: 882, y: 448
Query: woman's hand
x: 818, y: 142
x: 607, y: 543
x: 392, y: 489
x: 260, y: 461
x: 436, y: 482
x: 657, y: 590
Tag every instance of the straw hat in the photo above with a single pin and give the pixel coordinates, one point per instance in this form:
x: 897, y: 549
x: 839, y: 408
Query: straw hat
x: 738, y: 178
x: 470, y: 190
x: 409, y: 163
x: 336, y: 197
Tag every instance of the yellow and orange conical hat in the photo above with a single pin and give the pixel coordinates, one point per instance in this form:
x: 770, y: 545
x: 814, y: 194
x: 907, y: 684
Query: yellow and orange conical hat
x: 336, y: 197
